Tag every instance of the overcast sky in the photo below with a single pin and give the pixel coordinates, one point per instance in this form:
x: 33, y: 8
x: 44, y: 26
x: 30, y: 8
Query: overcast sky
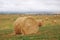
x: 29, y: 5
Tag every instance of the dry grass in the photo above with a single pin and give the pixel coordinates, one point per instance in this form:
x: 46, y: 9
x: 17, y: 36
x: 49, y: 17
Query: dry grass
x: 48, y: 31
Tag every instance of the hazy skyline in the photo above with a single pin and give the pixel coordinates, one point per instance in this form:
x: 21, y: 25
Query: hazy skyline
x: 29, y: 5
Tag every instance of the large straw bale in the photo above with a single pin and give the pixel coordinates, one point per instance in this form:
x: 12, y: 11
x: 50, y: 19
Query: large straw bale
x: 26, y: 25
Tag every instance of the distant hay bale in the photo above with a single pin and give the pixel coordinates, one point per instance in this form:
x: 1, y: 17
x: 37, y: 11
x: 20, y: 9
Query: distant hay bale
x: 46, y: 18
x: 26, y: 25
x: 54, y: 21
x: 40, y: 23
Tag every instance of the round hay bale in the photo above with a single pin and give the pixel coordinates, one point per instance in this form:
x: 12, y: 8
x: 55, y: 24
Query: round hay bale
x: 46, y: 18
x: 40, y: 23
x: 26, y: 25
x: 54, y: 21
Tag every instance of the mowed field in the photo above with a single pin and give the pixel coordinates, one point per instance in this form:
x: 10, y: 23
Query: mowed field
x: 50, y: 29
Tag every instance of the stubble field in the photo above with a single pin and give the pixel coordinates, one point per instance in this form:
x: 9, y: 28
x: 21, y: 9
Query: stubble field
x: 50, y: 29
